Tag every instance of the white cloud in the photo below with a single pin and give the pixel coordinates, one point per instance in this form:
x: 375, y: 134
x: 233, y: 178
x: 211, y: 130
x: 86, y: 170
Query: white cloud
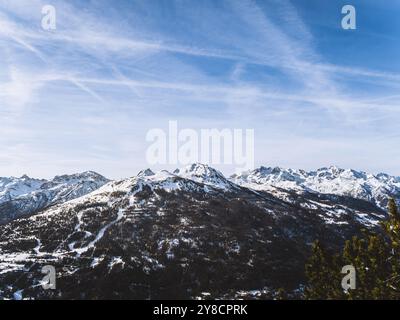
x: 135, y: 77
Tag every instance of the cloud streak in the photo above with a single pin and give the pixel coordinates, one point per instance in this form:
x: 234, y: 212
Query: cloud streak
x: 240, y: 63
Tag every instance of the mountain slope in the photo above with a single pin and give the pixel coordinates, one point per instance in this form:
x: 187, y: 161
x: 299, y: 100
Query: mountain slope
x: 175, y: 235
x: 25, y: 196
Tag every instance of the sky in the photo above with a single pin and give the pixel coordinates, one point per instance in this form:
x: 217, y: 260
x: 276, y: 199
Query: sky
x: 83, y: 96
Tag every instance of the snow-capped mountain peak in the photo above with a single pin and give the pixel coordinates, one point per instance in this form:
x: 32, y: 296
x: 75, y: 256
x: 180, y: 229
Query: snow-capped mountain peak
x: 327, y: 180
x: 24, y: 196
x: 192, y: 177
x: 145, y: 173
x: 12, y: 187
x: 205, y: 174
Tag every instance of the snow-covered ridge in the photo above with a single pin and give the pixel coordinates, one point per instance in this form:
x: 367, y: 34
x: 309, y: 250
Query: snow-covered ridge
x: 24, y: 195
x: 204, y: 174
x: 329, y: 180
x: 332, y: 180
x: 179, y: 179
x: 346, y: 182
x: 196, y: 176
x: 12, y: 187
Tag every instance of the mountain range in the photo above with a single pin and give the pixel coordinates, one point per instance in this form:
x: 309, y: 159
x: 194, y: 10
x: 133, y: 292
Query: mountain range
x: 25, y: 196
x: 333, y: 180
x: 192, y: 233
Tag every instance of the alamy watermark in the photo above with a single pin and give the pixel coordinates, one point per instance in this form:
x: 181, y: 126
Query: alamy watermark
x: 49, y: 18
x: 349, y: 280
x: 349, y: 20
x: 211, y: 146
x: 49, y: 280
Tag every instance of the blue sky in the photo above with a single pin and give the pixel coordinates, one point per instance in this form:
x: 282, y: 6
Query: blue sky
x: 83, y: 96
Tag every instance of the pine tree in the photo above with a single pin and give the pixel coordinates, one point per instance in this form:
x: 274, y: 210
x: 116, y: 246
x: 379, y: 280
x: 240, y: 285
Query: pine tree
x: 315, y: 272
x: 351, y: 256
x: 320, y: 275
x: 392, y: 230
x: 376, y: 258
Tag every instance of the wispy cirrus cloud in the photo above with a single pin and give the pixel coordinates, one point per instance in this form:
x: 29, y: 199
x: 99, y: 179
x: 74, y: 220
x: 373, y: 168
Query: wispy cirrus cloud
x: 232, y: 63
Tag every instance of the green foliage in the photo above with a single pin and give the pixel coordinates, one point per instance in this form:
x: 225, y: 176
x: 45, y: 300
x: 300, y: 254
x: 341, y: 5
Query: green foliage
x: 325, y: 281
x: 375, y: 257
